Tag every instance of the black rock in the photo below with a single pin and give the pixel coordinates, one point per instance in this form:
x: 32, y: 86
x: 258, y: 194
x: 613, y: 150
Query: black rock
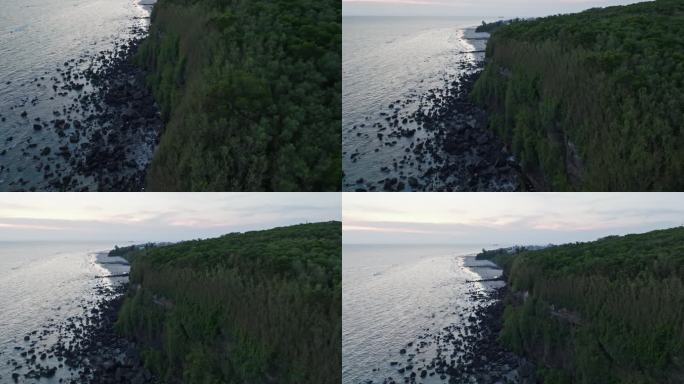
x: 413, y: 182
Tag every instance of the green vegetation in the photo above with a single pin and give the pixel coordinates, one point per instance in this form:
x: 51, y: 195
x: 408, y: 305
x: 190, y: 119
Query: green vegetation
x: 489, y: 27
x: 608, y: 311
x: 122, y: 251
x: 592, y: 101
x: 127, y: 250
x: 493, y: 26
x: 255, y: 307
x: 250, y: 92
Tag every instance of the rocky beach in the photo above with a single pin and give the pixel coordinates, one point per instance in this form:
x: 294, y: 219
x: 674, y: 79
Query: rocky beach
x: 83, y: 348
x: 444, y: 139
x: 467, y: 351
x: 89, y: 124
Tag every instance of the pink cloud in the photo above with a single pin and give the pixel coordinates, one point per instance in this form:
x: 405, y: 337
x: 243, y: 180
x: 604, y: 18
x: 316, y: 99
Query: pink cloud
x: 410, y: 2
x: 371, y: 228
x: 31, y: 226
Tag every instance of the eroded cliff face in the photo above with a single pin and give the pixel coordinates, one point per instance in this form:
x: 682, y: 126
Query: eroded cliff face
x: 526, y: 88
x: 608, y: 311
x: 588, y: 101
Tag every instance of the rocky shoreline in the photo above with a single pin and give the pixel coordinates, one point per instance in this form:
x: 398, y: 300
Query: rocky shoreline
x: 492, y: 362
x: 448, y: 145
x: 83, y: 349
x: 101, y: 134
x: 467, y: 351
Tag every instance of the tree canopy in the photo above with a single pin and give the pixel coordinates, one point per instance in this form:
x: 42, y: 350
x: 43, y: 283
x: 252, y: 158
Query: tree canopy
x: 254, y: 307
x: 250, y: 92
x: 608, y: 311
x: 592, y: 101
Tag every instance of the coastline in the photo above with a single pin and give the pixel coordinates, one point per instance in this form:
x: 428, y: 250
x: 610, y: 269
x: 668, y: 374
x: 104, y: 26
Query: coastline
x: 112, y: 266
x: 447, y: 138
x: 97, y: 132
x: 85, y: 348
x: 467, y: 348
x: 492, y: 362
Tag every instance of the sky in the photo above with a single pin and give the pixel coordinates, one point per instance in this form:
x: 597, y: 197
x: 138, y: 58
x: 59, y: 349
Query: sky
x: 504, y: 218
x: 484, y: 8
x: 142, y: 217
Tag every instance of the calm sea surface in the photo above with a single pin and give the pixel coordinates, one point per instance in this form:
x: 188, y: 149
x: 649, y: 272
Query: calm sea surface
x: 36, y: 38
x: 390, y: 59
x: 46, y: 283
x: 393, y: 294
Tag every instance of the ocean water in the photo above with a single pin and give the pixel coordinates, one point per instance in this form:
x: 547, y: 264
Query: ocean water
x: 391, y: 295
x: 45, y: 283
x: 37, y: 38
x: 391, y: 59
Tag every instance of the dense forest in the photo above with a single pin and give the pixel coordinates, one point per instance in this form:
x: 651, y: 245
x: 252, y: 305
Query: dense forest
x: 594, y: 100
x: 250, y: 92
x: 493, y: 26
x: 127, y: 250
x: 603, y: 312
x: 254, y: 307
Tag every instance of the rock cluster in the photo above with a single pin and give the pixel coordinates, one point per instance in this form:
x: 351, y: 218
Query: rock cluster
x: 82, y: 349
x: 101, y: 134
x: 467, y: 351
x: 446, y: 144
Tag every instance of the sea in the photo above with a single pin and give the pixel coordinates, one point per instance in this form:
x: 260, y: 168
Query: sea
x: 38, y: 38
x: 393, y: 294
x: 43, y: 284
x: 389, y: 62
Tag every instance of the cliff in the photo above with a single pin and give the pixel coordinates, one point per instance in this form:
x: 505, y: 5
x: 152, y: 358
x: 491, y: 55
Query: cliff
x: 255, y: 307
x: 591, y: 101
x: 250, y: 92
x: 608, y: 311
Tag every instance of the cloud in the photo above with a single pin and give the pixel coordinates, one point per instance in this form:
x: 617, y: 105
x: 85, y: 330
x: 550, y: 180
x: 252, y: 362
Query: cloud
x: 8, y: 225
x: 521, y: 218
x: 399, y: 2
x: 468, y: 8
x: 383, y: 227
x: 156, y: 216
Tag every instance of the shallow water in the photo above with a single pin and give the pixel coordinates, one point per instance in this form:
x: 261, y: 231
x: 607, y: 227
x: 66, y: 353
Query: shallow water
x: 393, y: 295
x: 38, y: 37
x: 390, y: 59
x: 46, y: 283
